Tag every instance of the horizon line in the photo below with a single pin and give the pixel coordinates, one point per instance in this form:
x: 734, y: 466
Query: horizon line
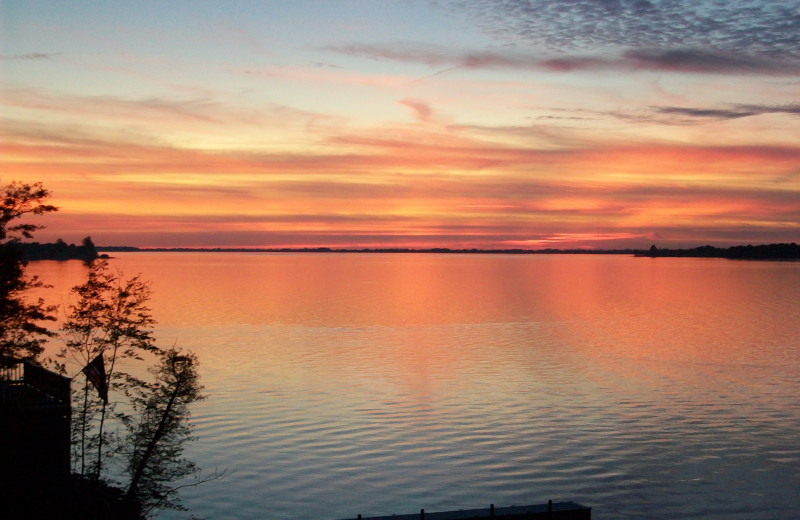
x: 326, y: 249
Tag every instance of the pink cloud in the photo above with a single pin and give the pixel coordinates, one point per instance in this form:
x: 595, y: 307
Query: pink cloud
x: 421, y: 109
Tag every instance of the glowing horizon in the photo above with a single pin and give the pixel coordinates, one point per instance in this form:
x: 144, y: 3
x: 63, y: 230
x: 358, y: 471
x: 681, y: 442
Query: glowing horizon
x: 454, y: 124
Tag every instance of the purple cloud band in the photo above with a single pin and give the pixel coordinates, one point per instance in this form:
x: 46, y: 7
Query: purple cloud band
x: 670, y: 60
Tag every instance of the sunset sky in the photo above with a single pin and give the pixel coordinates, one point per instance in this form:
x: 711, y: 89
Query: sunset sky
x: 419, y: 123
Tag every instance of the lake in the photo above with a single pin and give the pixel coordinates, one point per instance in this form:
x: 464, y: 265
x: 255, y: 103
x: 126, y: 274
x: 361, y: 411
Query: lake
x: 377, y: 384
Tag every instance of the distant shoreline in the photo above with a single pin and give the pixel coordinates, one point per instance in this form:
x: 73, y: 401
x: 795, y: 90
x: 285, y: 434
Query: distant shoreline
x: 749, y: 252
x: 438, y: 250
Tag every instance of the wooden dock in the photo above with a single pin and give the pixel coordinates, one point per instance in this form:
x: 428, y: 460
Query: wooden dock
x: 550, y: 511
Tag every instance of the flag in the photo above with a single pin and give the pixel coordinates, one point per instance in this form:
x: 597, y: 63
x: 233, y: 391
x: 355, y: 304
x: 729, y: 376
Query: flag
x: 96, y: 373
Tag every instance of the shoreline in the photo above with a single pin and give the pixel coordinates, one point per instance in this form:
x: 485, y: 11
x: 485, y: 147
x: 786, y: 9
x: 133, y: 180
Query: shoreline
x: 780, y: 251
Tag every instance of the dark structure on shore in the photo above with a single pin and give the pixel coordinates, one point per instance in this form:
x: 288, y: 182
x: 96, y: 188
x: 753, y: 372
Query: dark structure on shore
x: 34, y: 432
x: 35, y: 477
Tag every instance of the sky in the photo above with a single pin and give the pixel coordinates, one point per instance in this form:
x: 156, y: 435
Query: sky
x: 422, y: 123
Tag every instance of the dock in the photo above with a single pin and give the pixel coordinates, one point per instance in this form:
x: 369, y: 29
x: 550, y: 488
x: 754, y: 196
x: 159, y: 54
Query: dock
x: 549, y: 511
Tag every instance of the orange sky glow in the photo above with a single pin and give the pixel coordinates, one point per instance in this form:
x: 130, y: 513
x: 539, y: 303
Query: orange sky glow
x: 406, y: 124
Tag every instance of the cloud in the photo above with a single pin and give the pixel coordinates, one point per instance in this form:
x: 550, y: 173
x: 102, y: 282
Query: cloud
x: 670, y: 60
x: 192, y: 109
x: 703, y: 61
x: 421, y: 109
x: 31, y: 56
x: 710, y: 37
x: 750, y: 27
x: 734, y: 112
x: 161, y: 118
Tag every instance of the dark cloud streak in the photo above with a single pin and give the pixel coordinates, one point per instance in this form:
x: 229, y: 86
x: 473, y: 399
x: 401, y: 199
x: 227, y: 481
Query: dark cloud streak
x: 685, y: 60
x: 735, y: 112
x: 703, y: 61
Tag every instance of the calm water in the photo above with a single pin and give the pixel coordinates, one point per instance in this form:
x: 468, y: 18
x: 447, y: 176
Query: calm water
x: 377, y: 384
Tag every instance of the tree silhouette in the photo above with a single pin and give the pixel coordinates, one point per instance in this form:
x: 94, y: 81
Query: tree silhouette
x: 21, y: 332
x: 110, y: 319
x: 161, y: 429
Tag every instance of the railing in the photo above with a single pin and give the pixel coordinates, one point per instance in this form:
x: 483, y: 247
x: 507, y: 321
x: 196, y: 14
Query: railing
x: 34, y: 431
x: 11, y: 370
x: 27, y: 381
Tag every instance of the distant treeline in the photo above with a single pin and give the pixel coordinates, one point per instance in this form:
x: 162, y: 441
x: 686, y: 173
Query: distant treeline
x: 762, y: 252
x: 440, y: 250
x: 58, y: 251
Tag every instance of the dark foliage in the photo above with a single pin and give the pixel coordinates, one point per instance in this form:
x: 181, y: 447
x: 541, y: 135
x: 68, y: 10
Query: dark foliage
x: 59, y: 251
x: 21, y: 333
x: 110, y: 318
x: 160, y: 430
x: 760, y: 252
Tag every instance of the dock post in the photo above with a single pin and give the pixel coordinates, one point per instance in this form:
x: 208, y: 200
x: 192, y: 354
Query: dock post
x: 421, y: 514
x: 491, y: 510
x: 549, y: 506
x: 359, y: 516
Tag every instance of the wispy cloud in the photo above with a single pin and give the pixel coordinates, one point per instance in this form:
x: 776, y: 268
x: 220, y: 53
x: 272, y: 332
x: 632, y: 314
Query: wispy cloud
x: 422, y: 110
x: 193, y: 109
x: 732, y: 112
x: 30, y: 56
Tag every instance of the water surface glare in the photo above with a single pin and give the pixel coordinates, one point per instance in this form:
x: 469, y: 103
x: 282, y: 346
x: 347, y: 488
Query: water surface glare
x: 384, y: 383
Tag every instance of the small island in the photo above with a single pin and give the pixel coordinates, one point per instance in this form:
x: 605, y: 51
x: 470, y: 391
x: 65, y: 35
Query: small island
x: 749, y: 252
x: 60, y: 251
